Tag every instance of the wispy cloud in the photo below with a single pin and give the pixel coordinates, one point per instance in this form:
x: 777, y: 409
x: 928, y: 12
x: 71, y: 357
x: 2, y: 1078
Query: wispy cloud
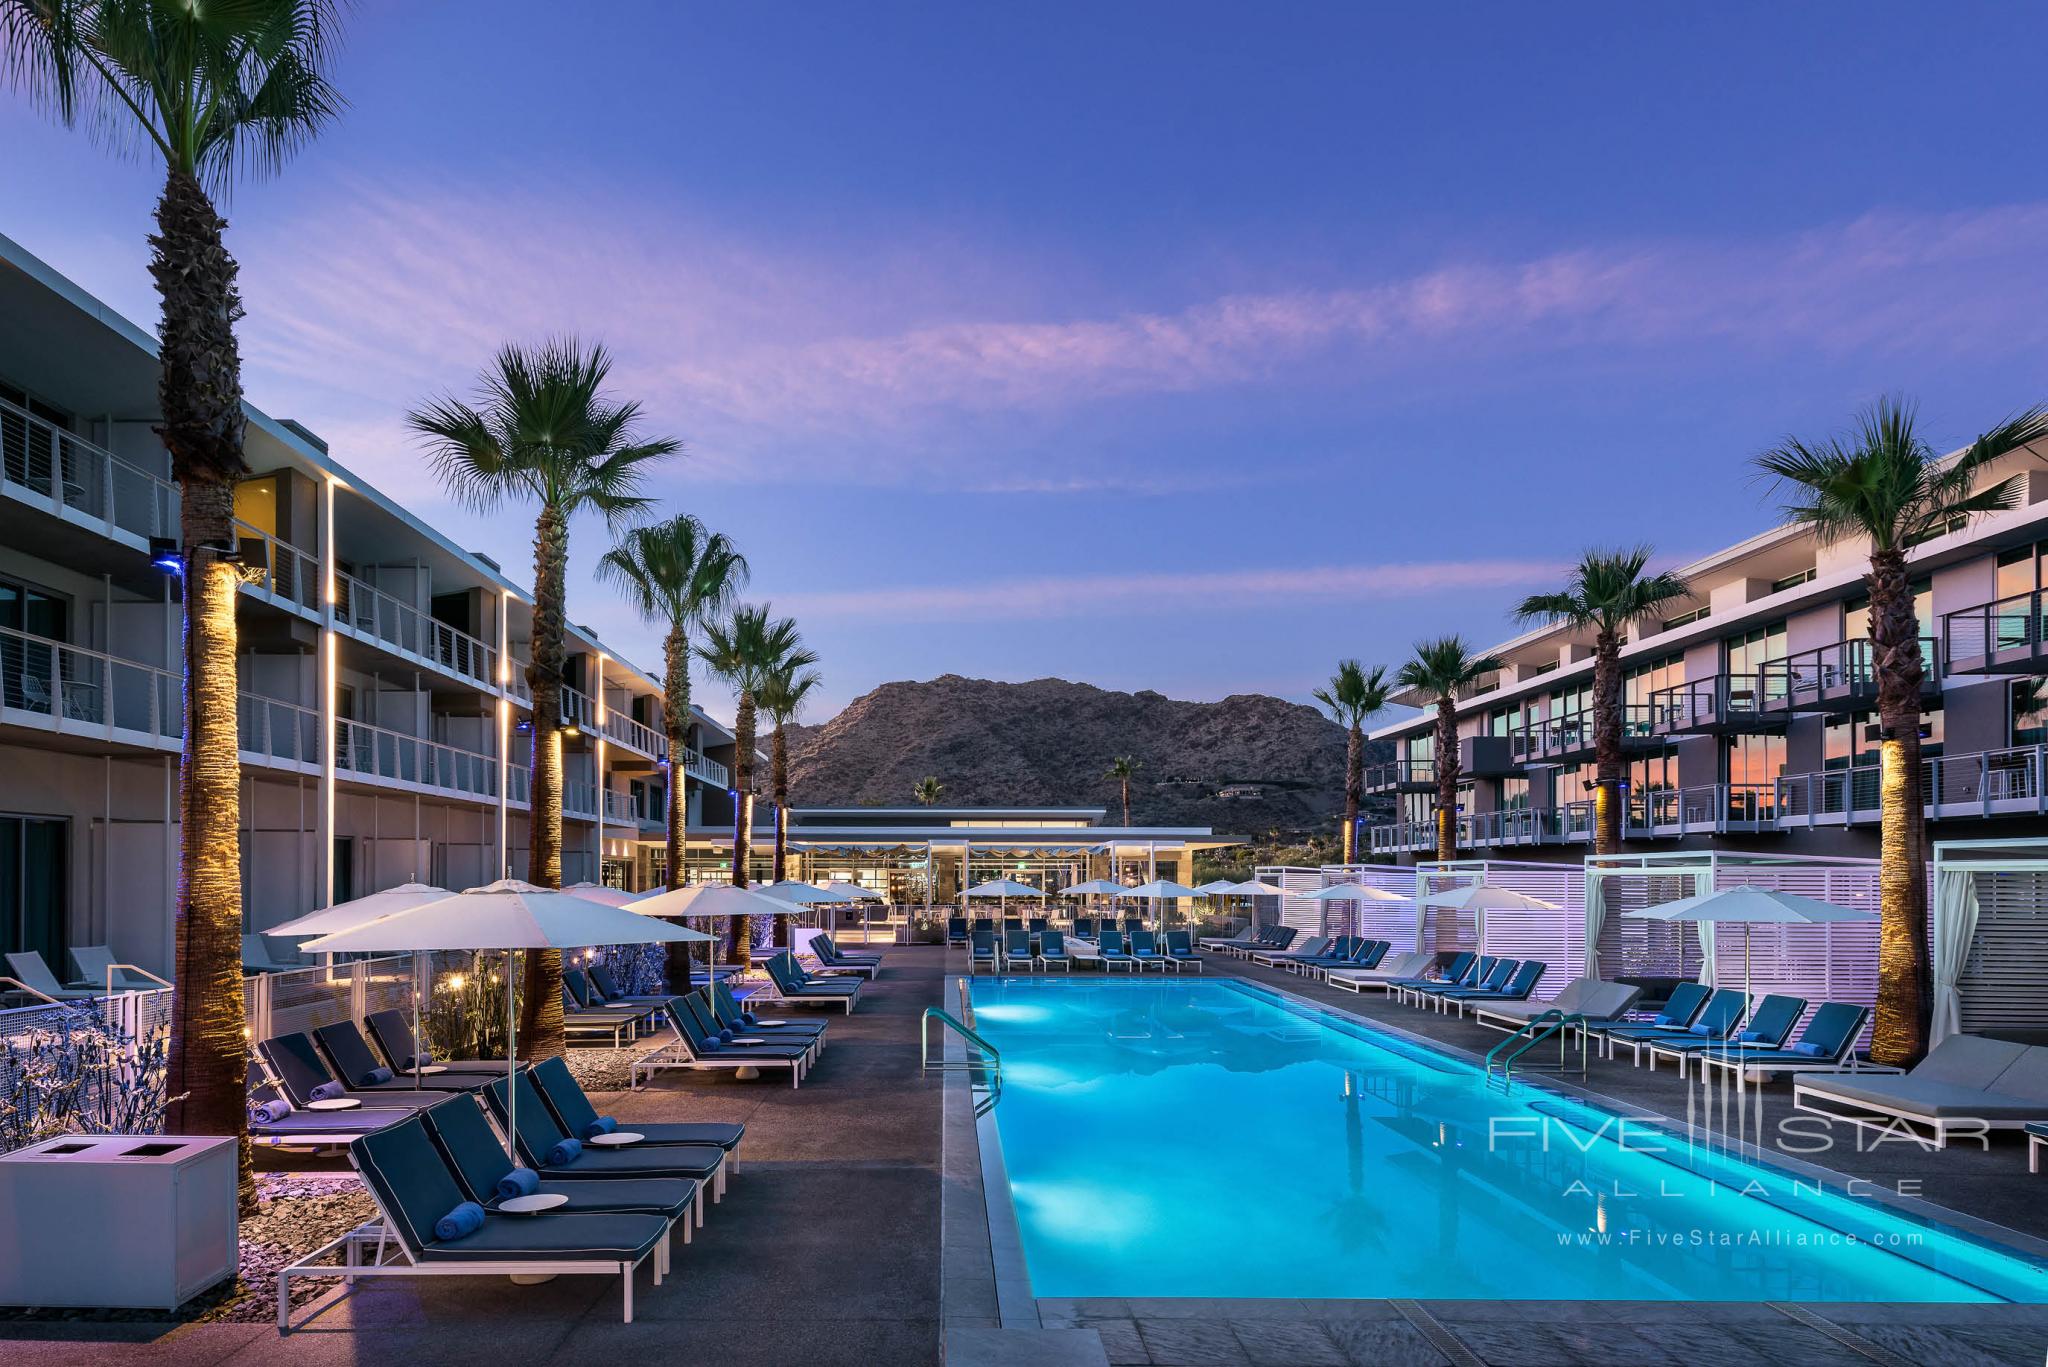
x: 1102, y: 595
x: 808, y: 362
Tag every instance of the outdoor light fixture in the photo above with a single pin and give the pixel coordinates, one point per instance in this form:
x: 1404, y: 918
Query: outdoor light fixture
x: 523, y: 725
x: 252, y: 558
x: 571, y: 729
x: 164, y: 555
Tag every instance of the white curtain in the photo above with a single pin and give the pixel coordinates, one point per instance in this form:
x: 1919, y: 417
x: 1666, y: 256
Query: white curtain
x: 1955, y: 930
x: 1596, y: 916
x: 1702, y: 884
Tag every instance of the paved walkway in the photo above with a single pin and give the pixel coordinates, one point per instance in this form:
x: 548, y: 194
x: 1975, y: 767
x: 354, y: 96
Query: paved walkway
x: 825, y: 1250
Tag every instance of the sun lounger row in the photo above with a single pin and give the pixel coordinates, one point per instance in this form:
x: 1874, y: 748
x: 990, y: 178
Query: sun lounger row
x: 714, y: 1032
x: 1252, y: 940
x: 1112, y: 949
x: 832, y: 960
x: 1967, y: 1085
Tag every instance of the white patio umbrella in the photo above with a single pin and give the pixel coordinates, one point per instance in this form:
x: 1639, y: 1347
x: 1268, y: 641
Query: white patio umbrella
x: 1749, y: 906
x: 802, y: 894
x: 1157, y: 890
x: 1351, y: 892
x: 1252, y: 887
x: 1002, y: 889
x: 852, y: 892
x: 1094, y: 887
x: 705, y: 901
x: 1486, y: 897
x: 1215, y: 886
x: 597, y: 892
x: 508, y: 915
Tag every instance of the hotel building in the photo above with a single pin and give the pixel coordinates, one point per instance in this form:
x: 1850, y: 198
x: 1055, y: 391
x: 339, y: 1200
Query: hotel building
x: 384, y: 711
x: 1748, y: 710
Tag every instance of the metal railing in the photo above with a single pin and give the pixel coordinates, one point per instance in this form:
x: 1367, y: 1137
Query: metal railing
x: 80, y: 477
x: 620, y: 806
x: 634, y: 735
x: 1379, y: 777
x: 290, y: 575
x: 1842, y: 674
x: 1982, y: 783
x: 375, y: 752
x: 1719, y: 700
x: 578, y: 709
x: 70, y: 688
x: 708, y: 770
x: 1571, y: 733
x: 2018, y: 623
x: 272, y: 730
x: 375, y: 615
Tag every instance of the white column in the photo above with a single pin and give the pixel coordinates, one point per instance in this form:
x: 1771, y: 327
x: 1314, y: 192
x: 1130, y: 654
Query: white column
x: 597, y: 758
x: 325, y: 728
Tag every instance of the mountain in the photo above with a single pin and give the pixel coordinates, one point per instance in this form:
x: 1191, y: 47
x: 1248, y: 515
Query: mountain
x: 1050, y: 742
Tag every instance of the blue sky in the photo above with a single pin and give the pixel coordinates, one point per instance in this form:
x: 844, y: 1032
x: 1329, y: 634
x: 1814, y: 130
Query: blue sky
x: 1184, y: 347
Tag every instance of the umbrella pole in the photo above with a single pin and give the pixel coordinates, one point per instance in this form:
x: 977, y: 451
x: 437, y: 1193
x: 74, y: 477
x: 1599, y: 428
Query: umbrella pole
x: 511, y: 1063
x: 419, y: 960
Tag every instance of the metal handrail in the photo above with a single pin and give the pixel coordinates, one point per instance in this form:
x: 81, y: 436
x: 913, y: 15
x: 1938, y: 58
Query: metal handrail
x: 1550, y: 1025
x: 134, y: 968
x: 83, y: 477
x: 993, y: 1064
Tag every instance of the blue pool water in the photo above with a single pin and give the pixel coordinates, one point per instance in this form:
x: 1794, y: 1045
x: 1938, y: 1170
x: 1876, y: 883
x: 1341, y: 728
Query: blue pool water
x: 1169, y: 1138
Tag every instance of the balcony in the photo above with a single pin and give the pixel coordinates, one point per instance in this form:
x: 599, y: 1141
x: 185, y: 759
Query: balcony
x: 579, y: 800
x: 86, y: 485
x: 374, y: 616
x: 377, y: 755
x: 1722, y: 705
x: 290, y: 577
x: 1704, y: 809
x: 2009, y: 636
x: 277, y: 733
x: 707, y: 770
x: 1568, y: 738
x: 53, y: 686
x: 1977, y: 785
x: 1835, y: 678
x: 1396, y: 776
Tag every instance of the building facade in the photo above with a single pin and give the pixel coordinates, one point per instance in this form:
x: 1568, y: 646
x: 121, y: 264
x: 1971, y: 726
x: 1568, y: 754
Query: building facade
x: 1749, y: 711
x: 384, y: 710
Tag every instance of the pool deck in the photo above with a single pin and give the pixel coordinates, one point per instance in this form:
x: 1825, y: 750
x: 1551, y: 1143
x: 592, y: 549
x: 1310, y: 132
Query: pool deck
x: 858, y: 1231
x: 1993, y: 1186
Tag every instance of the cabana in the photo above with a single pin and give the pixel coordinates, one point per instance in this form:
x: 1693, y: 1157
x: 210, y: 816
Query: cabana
x: 1557, y: 938
x: 1833, y: 962
x: 1392, y: 921
x: 1304, y: 916
x: 1989, y: 917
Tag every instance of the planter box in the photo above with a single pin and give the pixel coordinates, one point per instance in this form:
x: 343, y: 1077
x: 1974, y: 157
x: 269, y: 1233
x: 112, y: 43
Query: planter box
x: 135, y: 1221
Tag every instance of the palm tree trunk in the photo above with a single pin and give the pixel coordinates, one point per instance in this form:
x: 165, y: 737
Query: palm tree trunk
x: 1446, y: 779
x: 742, y: 825
x: 1127, y: 802
x: 1607, y: 744
x: 1904, y: 974
x: 199, y: 389
x: 779, y: 780
x: 540, y: 1010
x: 1354, y: 790
x: 675, y: 717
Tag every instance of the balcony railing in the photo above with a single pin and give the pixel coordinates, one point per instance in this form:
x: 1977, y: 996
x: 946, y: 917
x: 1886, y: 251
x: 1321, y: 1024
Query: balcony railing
x: 87, y: 692
x: 86, y: 481
x: 707, y: 770
x: 624, y: 807
x: 578, y: 709
x: 1984, y: 783
x: 1728, y: 703
x: 270, y: 730
x: 1569, y: 735
x: 578, y: 799
x: 1835, y: 678
x: 291, y: 576
x: 375, y: 615
x: 1400, y: 773
x: 633, y: 735
x: 2008, y: 636
x: 393, y: 756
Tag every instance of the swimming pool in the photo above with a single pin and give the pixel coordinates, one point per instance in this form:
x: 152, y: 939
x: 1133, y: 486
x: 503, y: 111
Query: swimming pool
x: 1213, y: 1139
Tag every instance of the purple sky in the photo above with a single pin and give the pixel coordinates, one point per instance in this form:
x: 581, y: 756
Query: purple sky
x: 1181, y: 347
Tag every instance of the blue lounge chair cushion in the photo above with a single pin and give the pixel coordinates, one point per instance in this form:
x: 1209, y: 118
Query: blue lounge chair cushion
x: 604, y: 1124
x: 513, y: 1238
x: 517, y: 1183
x: 565, y: 1152
x: 567, y: 1100
x: 464, y: 1220
x: 328, y: 1091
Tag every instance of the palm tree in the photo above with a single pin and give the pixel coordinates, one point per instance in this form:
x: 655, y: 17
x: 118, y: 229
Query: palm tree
x: 1354, y: 697
x: 788, y: 686
x: 544, y: 430
x: 928, y: 790
x: 1121, y: 769
x: 681, y: 575
x: 743, y: 651
x: 1606, y: 593
x: 1441, y: 668
x: 1884, y: 483
x: 214, y: 90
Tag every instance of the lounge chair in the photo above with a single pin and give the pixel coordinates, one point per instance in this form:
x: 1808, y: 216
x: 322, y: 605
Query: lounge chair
x: 541, y: 1148
x: 696, y: 1050
x: 1038, y: 925
x: 1769, y: 1026
x: 410, y: 1181
x: 256, y: 956
x: 350, y: 1058
x: 983, y: 923
x: 478, y: 1159
x: 96, y: 963
x: 1314, y: 947
x: 585, y: 998
x: 1593, y: 999
x: 1365, y: 954
x: 611, y: 994
x: 1249, y: 935
x: 734, y: 1015
x: 699, y: 1009
x: 1016, y: 949
x: 1453, y: 974
x: 1109, y: 947
x: 1052, y: 949
x: 1827, y: 1044
x: 574, y: 1113
x: 838, y: 955
x: 1680, y: 1009
x: 35, y: 979
x: 275, y: 1123
x: 791, y: 984
x: 1717, y: 1021
x: 1084, y: 927
x: 292, y: 1064
x: 1180, y: 952
x: 1517, y: 988
x: 391, y: 1031
x: 1145, y: 952
x: 956, y: 931
x: 1476, y: 975
x: 981, y: 951
x: 1967, y: 1084
x: 1400, y: 968
x: 832, y: 963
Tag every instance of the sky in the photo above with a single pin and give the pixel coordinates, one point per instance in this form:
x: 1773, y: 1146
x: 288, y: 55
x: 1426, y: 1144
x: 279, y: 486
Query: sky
x: 1180, y: 346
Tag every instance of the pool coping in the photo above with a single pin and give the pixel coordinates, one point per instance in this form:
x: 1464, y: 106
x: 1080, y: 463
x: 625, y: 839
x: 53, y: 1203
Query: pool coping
x: 1008, y: 1270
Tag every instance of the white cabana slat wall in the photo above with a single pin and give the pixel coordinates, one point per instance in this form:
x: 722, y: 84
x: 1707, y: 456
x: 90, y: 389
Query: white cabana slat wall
x: 1989, y: 922
x: 1822, y: 963
x: 1558, y: 938
x: 1305, y: 917
x: 1445, y: 930
x: 1393, y: 922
